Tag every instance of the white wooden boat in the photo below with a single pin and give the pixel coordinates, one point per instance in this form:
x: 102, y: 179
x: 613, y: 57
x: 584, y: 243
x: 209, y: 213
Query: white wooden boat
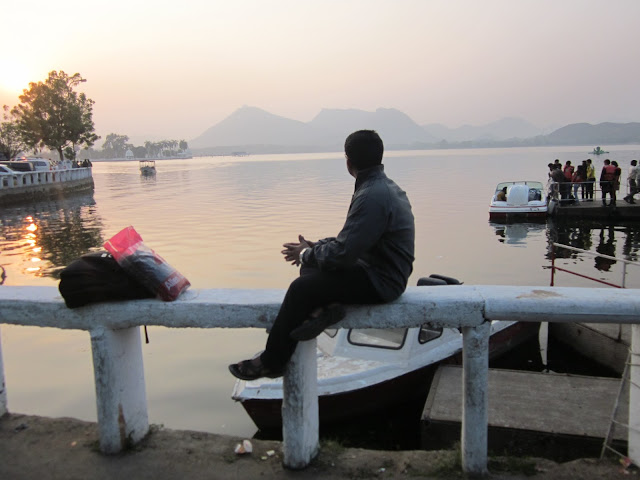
x: 361, y: 371
x: 524, y: 199
x: 147, y: 167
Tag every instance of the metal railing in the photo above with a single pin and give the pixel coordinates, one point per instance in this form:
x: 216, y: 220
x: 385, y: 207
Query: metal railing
x: 554, y: 189
x: 119, y: 374
x: 555, y: 268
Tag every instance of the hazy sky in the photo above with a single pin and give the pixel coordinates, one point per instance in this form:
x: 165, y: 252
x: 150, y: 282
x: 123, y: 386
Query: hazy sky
x: 173, y: 69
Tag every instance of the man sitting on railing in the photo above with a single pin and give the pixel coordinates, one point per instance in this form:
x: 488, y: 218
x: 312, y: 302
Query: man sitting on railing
x: 368, y: 262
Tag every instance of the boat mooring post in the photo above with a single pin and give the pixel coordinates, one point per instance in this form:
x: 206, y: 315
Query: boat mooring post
x: 475, y: 417
x: 300, y: 415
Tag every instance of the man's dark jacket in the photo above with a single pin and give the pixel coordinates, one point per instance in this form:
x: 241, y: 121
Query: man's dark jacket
x: 378, y: 234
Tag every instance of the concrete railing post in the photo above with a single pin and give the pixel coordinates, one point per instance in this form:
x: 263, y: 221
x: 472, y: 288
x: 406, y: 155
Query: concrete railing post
x: 3, y: 390
x: 300, y: 419
x: 634, y: 396
x: 120, y: 389
x: 475, y: 375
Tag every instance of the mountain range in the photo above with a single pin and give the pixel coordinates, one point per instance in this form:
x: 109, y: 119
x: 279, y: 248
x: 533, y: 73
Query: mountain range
x: 253, y: 130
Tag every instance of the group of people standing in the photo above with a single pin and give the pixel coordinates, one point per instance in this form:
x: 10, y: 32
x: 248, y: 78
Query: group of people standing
x: 567, y: 180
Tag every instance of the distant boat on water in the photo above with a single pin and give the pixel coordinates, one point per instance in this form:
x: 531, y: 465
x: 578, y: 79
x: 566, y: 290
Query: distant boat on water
x: 598, y: 151
x: 147, y: 167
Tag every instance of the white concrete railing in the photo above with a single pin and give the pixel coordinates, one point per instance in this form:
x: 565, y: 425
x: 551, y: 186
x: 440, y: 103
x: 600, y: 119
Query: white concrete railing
x: 43, y: 177
x: 119, y: 373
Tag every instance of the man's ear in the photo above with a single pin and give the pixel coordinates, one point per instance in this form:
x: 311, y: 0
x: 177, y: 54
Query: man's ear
x: 351, y: 167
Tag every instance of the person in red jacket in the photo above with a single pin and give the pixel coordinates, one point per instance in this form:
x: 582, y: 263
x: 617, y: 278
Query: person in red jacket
x: 607, y: 182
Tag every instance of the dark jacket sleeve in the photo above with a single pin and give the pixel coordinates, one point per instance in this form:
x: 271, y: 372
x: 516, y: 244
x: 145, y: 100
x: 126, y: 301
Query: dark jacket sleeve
x: 365, y: 223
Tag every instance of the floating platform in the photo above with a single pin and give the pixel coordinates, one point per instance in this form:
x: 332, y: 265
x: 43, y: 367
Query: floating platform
x: 621, y: 210
x: 530, y: 413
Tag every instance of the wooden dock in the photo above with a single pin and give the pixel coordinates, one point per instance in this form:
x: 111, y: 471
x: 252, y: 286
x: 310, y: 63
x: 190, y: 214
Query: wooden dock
x: 596, y: 210
x: 554, y: 415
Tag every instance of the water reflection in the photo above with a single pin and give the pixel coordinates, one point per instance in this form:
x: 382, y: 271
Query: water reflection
x: 40, y: 239
x: 148, y: 178
x: 620, y: 240
x: 606, y: 237
x: 606, y: 246
x: 516, y: 233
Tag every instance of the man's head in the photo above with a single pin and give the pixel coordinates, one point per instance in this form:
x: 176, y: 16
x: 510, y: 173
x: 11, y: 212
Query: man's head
x: 607, y: 161
x: 634, y: 162
x: 364, y: 149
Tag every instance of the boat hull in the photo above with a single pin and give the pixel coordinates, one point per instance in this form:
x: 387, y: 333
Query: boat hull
x: 359, y: 402
x: 515, y: 214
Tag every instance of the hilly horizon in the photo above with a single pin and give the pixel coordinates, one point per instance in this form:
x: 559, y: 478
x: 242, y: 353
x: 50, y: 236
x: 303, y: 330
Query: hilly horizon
x: 255, y: 129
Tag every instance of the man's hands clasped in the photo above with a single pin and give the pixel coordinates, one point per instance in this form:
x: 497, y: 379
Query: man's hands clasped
x: 292, y: 251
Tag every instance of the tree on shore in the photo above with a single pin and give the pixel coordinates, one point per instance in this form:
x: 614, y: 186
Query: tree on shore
x: 115, y: 146
x: 11, y: 143
x: 53, y: 115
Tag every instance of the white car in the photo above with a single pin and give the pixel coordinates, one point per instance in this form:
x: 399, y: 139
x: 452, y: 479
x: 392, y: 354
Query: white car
x: 39, y: 164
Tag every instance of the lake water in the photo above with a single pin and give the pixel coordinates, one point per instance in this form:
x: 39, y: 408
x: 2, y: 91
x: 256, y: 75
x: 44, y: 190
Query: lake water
x: 221, y: 222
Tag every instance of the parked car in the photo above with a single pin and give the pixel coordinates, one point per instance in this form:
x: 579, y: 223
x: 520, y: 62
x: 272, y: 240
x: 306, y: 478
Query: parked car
x: 18, y: 166
x: 39, y: 164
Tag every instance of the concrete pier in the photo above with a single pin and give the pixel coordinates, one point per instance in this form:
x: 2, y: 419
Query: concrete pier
x: 530, y: 413
x: 41, y: 185
x: 596, y: 210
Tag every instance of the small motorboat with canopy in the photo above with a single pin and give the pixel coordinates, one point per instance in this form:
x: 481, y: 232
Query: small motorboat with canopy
x: 518, y: 200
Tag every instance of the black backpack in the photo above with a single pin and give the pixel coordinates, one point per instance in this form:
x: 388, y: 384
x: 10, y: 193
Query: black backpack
x: 97, y: 277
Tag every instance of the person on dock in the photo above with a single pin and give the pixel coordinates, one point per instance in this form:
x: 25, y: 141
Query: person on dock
x: 607, y: 182
x: 618, y: 174
x: 591, y: 179
x: 568, y: 172
x: 579, y: 179
x: 368, y: 262
x: 631, y: 179
x: 559, y: 184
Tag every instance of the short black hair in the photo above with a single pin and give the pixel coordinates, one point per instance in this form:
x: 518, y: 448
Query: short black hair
x: 364, y: 149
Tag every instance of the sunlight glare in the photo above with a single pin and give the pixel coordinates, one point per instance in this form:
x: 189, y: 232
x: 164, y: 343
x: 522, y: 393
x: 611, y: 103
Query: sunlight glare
x: 16, y: 76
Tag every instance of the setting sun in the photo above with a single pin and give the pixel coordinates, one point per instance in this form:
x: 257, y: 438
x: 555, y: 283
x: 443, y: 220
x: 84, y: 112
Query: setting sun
x: 16, y: 76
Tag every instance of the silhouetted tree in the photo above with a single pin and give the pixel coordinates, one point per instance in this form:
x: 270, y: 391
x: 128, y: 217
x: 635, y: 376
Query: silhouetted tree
x: 53, y: 115
x: 11, y: 143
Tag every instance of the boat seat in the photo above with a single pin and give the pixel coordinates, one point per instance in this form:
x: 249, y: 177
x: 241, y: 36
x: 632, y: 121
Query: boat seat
x: 518, y: 195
